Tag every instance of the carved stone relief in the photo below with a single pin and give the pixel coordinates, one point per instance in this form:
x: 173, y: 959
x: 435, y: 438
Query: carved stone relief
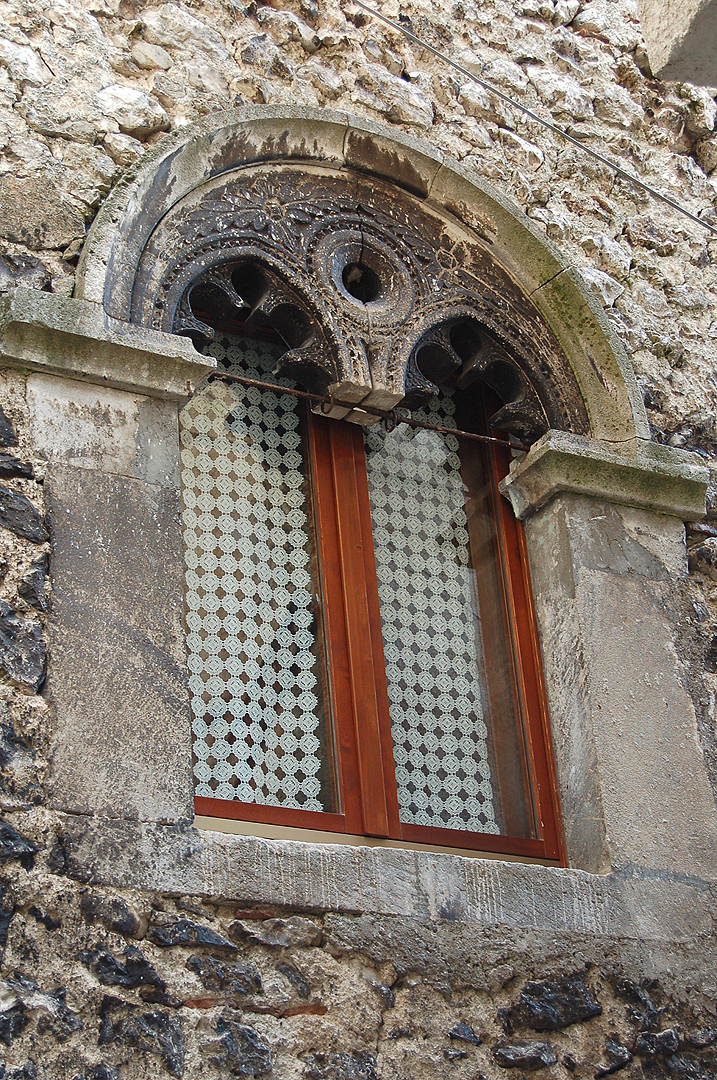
x: 377, y: 299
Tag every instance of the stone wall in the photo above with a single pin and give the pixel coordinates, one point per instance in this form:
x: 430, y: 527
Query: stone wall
x: 101, y: 982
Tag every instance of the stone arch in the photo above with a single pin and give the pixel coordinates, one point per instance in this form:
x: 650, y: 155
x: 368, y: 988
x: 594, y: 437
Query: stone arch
x: 463, y: 276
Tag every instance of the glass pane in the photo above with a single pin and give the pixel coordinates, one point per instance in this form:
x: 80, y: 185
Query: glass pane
x: 256, y: 658
x: 423, y: 488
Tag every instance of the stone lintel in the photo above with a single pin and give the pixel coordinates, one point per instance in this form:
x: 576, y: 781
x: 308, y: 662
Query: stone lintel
x: 646, y: 475
x: 76, y: 339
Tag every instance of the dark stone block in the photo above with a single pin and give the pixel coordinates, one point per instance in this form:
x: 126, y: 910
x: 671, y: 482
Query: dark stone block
x: 152, y: 995
x: 139, y: 970
x: 48, y: 921
x: 99, y: 1072
x: 505, y: 1020
x: 702, y: 1038
x: 105, y: 967
x: 525, y: 1055
x: 464, y: 1033
x: 555, y: 1003
x: 689, y: 1067
x: 54, y: 1014
x: 135, y: 971
x: 185, y: 932
x: 644, y: 1012
x: 385, y: 992
x: 23, y: 1072
x: 32, y: 586
x: 239, y: 1050
x: 455, y: 1055
x: 13, y: 846
x: 231, y: 979
x: 18, y: 779
x: 57, y: 859
x: 300, y: 984
x: 114, y: 913
x: 22, y: 651
x: 11, y: 466
x: 157, y: 1033
x: 650, y: 1044
x: 8, y: 436
x: 104, y: 1072
x: 10, y: 741
x: 19, y: 516
x: 617, y: 1057
x: 11, y: 1024
x: 356, y: 1065
x: 107, y: 1008
x: 7, y: 910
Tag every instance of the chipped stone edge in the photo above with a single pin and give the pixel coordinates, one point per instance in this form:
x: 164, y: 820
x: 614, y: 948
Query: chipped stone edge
x: 654, y: 477
x: 425, y: 886
x: 75, y: 339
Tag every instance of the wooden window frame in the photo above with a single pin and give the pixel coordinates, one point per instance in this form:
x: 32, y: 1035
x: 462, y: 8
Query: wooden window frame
x: 349, y: 608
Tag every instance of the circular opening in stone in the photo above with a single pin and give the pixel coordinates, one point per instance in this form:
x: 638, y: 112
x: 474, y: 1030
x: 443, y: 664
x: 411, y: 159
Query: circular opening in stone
x: 361, y: 282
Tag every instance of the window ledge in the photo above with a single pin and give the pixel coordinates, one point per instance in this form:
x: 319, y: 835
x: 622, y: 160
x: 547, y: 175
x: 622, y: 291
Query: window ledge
x: 315, y: 836
x: 421, y: 885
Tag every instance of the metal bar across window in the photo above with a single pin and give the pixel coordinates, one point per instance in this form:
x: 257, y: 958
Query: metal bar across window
x: 391, y: 417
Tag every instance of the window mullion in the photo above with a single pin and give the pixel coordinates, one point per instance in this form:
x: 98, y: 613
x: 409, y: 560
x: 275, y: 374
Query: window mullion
x: 374, y: 615
x: 365, y: 665
x: 332, y: 606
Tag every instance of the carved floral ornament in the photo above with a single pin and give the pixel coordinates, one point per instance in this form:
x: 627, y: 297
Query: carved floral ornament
x: 377, y: 298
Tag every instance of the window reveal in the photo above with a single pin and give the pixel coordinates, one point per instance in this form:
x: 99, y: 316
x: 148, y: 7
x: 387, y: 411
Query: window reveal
x: 352, y: 663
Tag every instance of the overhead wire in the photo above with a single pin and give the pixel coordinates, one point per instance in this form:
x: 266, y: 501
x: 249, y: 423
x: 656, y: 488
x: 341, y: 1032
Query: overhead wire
x: 555, y: 128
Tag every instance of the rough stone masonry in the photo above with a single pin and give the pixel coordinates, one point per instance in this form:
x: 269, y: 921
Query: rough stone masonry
x: 101, y: 981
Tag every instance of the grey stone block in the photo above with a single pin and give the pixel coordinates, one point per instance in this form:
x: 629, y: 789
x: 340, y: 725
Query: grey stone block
x: 427, y: 888
x: 22, y: 649
x: 117, y: 673
x: 98, y: 427
x: 641, y: 473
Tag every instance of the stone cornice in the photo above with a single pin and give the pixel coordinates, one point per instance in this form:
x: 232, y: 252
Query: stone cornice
x: 643, y: 474
x: 76, y: 339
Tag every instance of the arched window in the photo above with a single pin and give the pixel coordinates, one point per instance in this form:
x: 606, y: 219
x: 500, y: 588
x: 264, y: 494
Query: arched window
x: 389, y: 277
x: 361, y: 640
x: 374, y: 295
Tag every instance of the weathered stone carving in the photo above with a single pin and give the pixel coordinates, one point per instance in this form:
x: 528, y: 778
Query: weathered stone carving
x: 377, y: 299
